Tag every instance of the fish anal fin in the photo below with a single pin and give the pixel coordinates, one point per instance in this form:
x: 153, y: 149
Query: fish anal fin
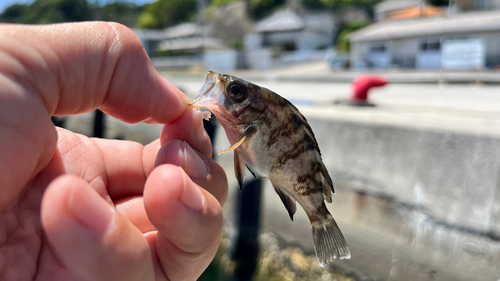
x: 288, y: 201
x: 239, y: 169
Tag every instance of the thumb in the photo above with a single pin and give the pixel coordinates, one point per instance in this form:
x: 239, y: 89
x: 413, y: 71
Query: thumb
x: 91, y: 239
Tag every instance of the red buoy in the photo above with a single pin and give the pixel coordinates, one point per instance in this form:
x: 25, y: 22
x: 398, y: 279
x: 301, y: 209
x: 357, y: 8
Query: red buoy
x: 362, y: 84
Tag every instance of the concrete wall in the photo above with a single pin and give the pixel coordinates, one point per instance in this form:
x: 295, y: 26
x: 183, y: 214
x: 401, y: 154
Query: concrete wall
x: 259, y: 59
x: 452, y: 176
x: 222, y: 61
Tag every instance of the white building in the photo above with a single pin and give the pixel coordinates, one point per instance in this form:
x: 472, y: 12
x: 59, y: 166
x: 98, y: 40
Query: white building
x: 191, y: 38
x: 418, y: 43
x: 150, y: 39
x: 290, y: 31
x: 286, y: 37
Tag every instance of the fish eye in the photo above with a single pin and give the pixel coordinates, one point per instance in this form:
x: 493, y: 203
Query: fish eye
x: 236, y: 90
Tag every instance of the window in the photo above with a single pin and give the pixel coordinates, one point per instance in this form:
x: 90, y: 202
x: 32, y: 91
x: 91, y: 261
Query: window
x: 377, y: 48
x: 483, y: 4
x: 430, y: 46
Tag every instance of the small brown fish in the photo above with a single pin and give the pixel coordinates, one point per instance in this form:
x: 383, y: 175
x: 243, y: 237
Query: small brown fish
x: 273, y: 140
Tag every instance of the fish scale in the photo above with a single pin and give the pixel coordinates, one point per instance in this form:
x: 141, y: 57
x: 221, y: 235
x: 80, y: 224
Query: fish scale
x: 271, y: 138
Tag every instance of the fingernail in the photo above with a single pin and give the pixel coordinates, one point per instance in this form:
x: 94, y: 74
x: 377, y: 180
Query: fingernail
x: 192, y: 197
x: 194, y: 165
x: 201, y: 134
x: 90, y: 209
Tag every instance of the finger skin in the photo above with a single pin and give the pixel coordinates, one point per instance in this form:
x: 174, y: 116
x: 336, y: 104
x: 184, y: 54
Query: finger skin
x: 174, y: 152
x: 70, y: 69
x: 187, y: 238
x: 149, y: 156
x: 78, y: 67
x: 77, y: 220
x: 75, y: 68
x: 215, y: 181
x: 124, y: 167
x: 189, y: 128
x: 116, y: 170
x: 133, y: 209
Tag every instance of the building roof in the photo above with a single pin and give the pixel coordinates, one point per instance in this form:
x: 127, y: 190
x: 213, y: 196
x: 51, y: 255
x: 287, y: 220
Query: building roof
x: 149, y: 34
x: 318, y: 21
x: 424, y: 27
x: 186, y: 30
x: 391, y: 6
x: 208, y: 43
x: 280, y: 21
x: 415, y: 12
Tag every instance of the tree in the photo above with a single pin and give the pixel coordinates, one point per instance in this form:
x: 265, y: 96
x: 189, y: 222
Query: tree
x: 321, y: 4
x: 50, y: 11
x: 438, y: 2
x: 47, y: 11
x: 164, y: 13
x: 126, y: 13
x: 343, y: 39
x: 218, y: 3
x: 260, y: 8
x: 16, y: 13
x: 332, y: 4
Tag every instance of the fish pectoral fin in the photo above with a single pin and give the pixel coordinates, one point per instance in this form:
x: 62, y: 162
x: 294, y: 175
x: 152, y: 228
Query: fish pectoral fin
x: 239, y: 169
x: 253, y: 174
x: 246, y: 135
x: 288, y: 201
x: 234, y: 146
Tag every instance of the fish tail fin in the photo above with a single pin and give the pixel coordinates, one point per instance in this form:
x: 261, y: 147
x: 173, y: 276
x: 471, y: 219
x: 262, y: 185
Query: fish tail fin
x: 329, y: 243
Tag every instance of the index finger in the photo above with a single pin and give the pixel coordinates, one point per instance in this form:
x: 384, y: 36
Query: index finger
x: 78, y: 67
x: 70, y: 69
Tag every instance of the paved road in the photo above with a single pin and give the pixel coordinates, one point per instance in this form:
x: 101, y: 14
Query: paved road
x: 484, y: 98
x: 458, y: 107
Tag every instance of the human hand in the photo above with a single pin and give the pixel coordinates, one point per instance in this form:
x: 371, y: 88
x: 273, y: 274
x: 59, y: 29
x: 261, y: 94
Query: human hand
x: 78, y: 208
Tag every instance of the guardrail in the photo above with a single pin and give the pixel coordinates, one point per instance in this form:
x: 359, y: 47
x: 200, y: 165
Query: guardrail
x: 181, y: 61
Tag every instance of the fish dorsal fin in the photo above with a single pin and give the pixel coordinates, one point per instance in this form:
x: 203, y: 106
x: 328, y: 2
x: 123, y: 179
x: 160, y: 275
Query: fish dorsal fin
x: 246, y: 135
x: 239, y: 169
x: 288, y: 201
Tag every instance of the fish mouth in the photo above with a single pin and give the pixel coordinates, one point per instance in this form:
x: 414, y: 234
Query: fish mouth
x: 210, y: 93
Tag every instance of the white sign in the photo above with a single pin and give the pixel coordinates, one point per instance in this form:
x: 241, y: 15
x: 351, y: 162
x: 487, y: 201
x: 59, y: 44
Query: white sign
x: 463, y: 54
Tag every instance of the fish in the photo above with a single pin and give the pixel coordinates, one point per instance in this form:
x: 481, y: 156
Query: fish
x: 272, y: 139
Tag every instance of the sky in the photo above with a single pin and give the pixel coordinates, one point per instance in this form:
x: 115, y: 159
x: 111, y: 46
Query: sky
x: 6, y: 3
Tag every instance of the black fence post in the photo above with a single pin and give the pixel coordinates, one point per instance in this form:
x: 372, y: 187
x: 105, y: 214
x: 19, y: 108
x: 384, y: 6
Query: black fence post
x: 99, y: 124
x: 58, y: 121
x: 246, y: 248
x: 211, y: 128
